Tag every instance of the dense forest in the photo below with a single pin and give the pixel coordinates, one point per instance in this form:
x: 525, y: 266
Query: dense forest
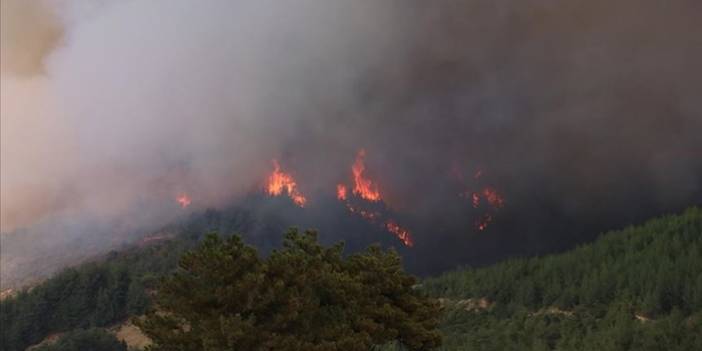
x: 95, y: 294
x: 303, y: 296
x: 639, y: 288
x: 113, y: 288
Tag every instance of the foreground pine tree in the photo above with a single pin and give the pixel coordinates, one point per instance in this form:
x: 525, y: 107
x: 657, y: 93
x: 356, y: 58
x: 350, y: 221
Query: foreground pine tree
x: 302, y: 297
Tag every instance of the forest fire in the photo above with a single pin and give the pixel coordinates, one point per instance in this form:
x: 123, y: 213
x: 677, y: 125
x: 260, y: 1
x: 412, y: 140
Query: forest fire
x: 365, y: 190
x: 493, y: 198
x: 400, y: 233
x: 363, y: 187
x: 491, y: 195
x: 494, y: 202
x: 483, y: 222
x: 341, y: 192
x: 487, y: 199
x: 370, y: 216
x: 183, y: 200
x: 362, y: 197
x: 475, y: 199
x: 280, y: 183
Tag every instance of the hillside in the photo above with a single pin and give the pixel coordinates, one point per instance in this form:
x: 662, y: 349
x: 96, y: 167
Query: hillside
x: 27, y: 257
x: 639, y: 288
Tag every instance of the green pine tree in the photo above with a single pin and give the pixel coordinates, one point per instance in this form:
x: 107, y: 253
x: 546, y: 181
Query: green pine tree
x: 302, y: 297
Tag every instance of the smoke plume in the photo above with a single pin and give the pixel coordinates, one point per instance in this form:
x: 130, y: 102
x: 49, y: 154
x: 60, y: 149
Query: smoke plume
x: 584, y: 114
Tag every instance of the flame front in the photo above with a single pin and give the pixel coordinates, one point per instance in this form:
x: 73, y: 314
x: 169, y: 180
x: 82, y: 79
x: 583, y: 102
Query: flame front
x: 401, y: 233
x: 365, y: 191
x: 184, y: 200
x: 280, y: 182
x: 363, y: 187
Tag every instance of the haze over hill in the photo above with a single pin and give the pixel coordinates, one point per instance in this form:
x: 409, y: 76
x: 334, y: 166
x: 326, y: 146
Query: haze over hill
x: 635, y: 289
x: 583, y: 115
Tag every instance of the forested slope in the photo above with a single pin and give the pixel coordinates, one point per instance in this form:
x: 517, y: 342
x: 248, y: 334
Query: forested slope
x: 112, y: 288
x: 635, y: 289
x: 99, y: 293
x: 639, y: 288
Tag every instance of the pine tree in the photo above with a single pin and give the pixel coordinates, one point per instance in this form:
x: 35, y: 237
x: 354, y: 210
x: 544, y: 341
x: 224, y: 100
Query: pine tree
x: 302, y: 297
x: 104, y: 309
x: 137, y: 299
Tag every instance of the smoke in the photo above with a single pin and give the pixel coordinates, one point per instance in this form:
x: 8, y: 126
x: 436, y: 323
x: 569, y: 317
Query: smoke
x: 29, y: 32
x: 145, y: 100
x: 584, y: 114
x: 37, y: 151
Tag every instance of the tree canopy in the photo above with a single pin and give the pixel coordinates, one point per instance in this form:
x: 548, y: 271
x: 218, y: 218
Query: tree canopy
x: 639, y: 288
x: 301, y: 297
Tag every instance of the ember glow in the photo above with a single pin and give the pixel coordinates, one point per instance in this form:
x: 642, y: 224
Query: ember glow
x: 483, y: 222
x: 401, y: 233
x: 475, y: 199
x: 493, y: 197
x: 486, y: 199
x: 281, y: 183
x: 370, y: 216
x: 494, y: 202
x: 341, y: 192
x: 184, y: 200
x: 363, y: 187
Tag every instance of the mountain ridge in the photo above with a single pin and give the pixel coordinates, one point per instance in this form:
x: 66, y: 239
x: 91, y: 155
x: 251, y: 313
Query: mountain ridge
x: 633, y: 288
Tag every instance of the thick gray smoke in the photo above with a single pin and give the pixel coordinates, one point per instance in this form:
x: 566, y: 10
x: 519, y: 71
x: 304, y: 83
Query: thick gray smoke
x: 140, y: 101
x: 584, y: 114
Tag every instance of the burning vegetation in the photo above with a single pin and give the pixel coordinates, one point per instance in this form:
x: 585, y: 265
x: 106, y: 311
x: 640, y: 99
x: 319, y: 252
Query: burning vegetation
x: 483, y: 198
x: 493, y: 201
x: 280, y: 183
x: 365, y: 194
x: 183, y: 200
x: 363, y: 187
x: 341, y: 192
x: 401, y: 233
x: 362, y: 197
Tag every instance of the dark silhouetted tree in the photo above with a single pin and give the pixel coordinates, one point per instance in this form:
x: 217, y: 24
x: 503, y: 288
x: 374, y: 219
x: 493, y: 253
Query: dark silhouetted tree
x: 302, y: 297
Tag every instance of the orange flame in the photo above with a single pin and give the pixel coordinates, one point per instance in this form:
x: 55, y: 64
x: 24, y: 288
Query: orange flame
x: 367, y: 190
x: 280, y: 182
x: 341, y: 192
x: 363, y: 187
x: 401, y: 233
x: 184, y: 200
